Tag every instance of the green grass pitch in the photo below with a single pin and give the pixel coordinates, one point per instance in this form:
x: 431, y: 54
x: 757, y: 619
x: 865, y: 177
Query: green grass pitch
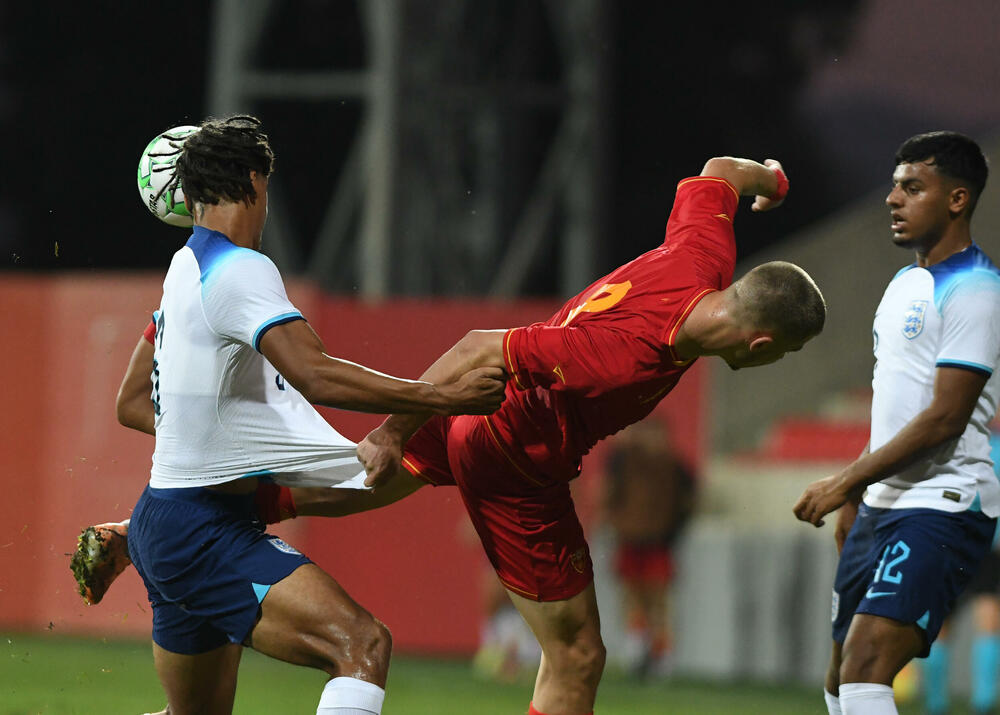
x: 44, y: 673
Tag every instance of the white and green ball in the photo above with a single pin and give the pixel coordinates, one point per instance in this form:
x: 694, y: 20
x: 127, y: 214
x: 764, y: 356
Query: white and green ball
x: 157, y: 169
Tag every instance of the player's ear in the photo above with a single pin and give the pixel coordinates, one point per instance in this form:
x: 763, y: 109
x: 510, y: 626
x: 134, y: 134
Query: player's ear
x: 248, y: 200
x: 958, y: 199
x: 759, y: 342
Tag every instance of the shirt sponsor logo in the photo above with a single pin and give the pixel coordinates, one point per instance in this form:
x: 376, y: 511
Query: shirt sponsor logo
x: 836, y: 607
x: 283, y: 547
x: 913, y: 319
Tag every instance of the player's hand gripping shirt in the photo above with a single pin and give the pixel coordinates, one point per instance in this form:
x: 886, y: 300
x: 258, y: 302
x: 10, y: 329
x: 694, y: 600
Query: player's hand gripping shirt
x: 606, y: 358
x: 222, y: 410
x: 946, y: 315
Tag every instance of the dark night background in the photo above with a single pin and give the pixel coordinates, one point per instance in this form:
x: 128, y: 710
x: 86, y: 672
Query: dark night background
x: 83, y: 88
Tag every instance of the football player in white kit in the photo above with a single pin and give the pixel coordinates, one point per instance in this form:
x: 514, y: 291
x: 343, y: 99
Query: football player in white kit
x: 918, y: 508
x: 235, y: 368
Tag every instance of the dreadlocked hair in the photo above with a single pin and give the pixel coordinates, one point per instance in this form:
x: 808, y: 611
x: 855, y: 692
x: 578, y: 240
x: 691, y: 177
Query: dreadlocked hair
x: 215, y: 162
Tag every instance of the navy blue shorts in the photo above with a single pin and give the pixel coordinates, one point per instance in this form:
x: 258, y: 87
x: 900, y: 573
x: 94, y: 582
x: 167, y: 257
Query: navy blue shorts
x: 207, y: 564
x: 908, y: 565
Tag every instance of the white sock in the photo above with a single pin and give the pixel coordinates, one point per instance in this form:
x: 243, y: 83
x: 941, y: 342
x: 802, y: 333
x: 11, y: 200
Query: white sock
x: 832, y: 703
x: 866, y: 699
x: 350, y: 696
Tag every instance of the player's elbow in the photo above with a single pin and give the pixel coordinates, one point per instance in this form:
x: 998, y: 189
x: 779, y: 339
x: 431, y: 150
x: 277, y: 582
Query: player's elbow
x: 311, y: 383
x: 950, y: 425
x: 133, y: 413
x: 732, y: 169
x: 954, y: 427
x: 124, y: 415
x: 125, y: 409
x: 322, y: 382
x: 720, y: 166
x: 482, y: 348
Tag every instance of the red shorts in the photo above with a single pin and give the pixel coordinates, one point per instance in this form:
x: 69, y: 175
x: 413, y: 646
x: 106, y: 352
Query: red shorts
x: 527, y: 522
x: 644, y: 564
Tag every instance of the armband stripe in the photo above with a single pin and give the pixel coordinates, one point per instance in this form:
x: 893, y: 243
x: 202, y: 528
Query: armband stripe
x: 277, y: 320
x: 971, y: 366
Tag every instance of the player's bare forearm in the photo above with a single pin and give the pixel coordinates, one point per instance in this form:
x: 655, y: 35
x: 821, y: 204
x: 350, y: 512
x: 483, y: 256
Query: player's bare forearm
x: 477, y: 349
x: 382, y: 449
x: 133, y: 406
x: 298, y: 354
x: 324, y: 501
x: 956, y: 392
x: 748, y: 177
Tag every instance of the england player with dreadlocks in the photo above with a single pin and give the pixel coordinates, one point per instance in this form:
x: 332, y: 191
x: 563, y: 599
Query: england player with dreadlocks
x: 235, y: 368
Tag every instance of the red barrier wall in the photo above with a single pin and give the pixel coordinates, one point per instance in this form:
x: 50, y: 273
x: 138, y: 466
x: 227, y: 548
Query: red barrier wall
x: 67, y: 463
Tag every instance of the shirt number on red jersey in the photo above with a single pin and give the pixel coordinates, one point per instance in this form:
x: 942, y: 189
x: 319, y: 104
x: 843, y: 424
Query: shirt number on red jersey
x: 608, y: 295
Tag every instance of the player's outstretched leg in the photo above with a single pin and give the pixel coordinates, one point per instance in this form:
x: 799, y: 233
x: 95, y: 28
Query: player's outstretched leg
x: 101, y: 555
x: 573, y: 653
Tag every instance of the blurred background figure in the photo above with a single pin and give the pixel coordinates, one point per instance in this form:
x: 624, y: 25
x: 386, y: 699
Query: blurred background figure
x: 983, y: 596
x: 507, y: 649
x: 649, y: 499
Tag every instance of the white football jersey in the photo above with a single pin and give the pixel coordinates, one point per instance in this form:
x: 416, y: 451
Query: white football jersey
x: 222, y: 411
x: 945, y: 315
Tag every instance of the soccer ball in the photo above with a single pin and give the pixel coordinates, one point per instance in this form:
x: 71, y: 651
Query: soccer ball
x: 160, y: 192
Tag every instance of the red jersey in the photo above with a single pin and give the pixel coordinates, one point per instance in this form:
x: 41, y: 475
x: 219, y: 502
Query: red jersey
x: 606, y: 358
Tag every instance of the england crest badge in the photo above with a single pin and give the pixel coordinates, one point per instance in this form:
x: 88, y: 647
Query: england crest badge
x: 913, y: 319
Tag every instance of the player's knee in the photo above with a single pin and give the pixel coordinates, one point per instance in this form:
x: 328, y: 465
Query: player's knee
x: 379, y: 645
x: 858, y: 666
x: 594, y: 660
x: 866, y: 660
x: 359, y: 648
x: 370, y: 647
x: 583, y: 659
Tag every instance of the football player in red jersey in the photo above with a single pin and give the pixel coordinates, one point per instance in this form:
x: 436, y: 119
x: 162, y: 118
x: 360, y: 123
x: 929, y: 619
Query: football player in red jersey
x: 600, y: 363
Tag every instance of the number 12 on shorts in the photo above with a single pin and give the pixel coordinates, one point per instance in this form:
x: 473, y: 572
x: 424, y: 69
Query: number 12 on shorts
x: 888, y: 567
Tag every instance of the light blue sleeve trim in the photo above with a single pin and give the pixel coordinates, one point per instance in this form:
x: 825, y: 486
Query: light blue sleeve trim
x: 277, y: 320
x: 974, y: 366
x: 258, y: 473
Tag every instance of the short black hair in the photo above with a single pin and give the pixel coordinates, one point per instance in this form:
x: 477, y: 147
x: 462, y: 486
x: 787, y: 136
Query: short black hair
x: 953, y: 155
x: 216, y: 161
x: 781, y: 297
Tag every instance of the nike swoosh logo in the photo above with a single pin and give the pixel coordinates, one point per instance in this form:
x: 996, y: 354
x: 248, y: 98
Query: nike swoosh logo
x: 877, y: 594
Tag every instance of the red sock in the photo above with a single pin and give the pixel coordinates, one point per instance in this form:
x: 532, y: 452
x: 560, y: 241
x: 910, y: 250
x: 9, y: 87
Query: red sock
x: 532, y: 711
x: 274, y: 503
